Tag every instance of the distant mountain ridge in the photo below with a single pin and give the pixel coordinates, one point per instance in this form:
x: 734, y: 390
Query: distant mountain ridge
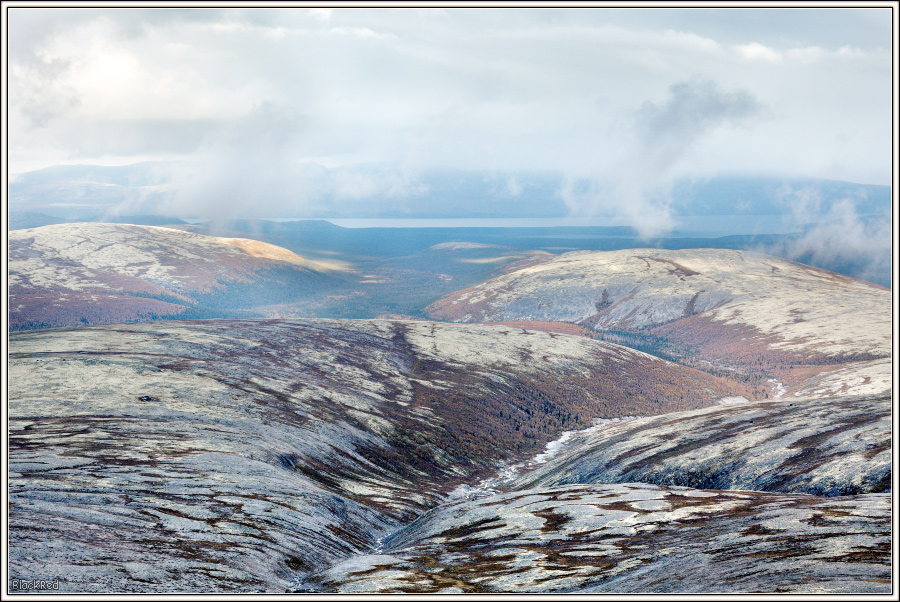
x: 384, y: 190
x: 29, y: 219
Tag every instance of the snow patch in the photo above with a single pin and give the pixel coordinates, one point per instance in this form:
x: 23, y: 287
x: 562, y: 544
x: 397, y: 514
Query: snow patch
x: 509, y: 473
x: 732, y: 401
x: 778, y: 388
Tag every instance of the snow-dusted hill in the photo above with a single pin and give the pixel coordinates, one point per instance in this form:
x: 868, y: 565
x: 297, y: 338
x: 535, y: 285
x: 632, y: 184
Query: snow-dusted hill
x: 712, y: 501
x: 632, y: 539
x: 229, y: 456
x: 832, y: 446
x: 238, y: 455
x: 729, y: 309
x: 95, y: 273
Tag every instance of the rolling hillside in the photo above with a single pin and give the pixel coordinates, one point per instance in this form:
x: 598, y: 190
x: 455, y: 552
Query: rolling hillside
x: 721, y: 309
x: 632, y: 539
x: 826, y: 447
x: 93, y: 273
x: 242, y: 455
x: 382, y: 456
x: 709, y: 501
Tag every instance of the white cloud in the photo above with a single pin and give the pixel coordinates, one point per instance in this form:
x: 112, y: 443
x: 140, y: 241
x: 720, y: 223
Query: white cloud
x: 836, y: 234
x: 757, y: 52
x: 321, y: 14
x: 809, y: 54
x: 513, y: 187
x: 493, y: 89
x: 851, y: 52
x: 361, y: 32
x: 691, y: 40
x: 662, y: 135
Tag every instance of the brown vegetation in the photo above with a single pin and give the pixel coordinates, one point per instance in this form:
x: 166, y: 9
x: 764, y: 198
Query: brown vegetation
x: 518, y: 415
x: 50, y: 310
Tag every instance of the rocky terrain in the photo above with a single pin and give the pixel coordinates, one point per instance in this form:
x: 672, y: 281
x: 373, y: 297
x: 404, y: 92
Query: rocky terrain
x: 535, y: 454
x: 95, y: 273
x: 723, y: 309
x: 239, y: 455
x: 826, y: 447
x: 633, y: 538
x: 678, y: 503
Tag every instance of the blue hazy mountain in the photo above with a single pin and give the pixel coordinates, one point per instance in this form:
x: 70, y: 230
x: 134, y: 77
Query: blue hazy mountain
x: 385, y: 191
x: 840, y: 226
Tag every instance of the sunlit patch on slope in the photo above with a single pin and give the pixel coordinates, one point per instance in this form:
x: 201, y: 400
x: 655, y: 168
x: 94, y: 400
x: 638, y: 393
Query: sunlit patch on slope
x: 265, y: 250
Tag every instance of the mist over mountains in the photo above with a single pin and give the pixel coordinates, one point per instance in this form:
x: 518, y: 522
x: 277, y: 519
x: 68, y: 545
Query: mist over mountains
x: 388, y: 191
x: 836, y: 225
x: 530, y: 300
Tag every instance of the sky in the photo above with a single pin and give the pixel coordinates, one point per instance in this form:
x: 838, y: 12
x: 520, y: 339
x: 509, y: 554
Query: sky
x: 629, y: 98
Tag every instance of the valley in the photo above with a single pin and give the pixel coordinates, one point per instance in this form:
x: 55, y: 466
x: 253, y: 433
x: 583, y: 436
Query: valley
x: 217, y: 454
x: 718, y: 420
x: 323, y: 300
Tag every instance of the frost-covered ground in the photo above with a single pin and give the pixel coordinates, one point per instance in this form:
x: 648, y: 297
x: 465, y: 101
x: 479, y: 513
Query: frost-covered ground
x: 859, y: 378
x: 607, y: 511
x: 633, y: 538
x: 782, y: 305
x: 387, y: 456
x: 239, y: 455
x: 94, y: 273
x: 275, y: 455
x: 75, y: 256
x: 823, y: 446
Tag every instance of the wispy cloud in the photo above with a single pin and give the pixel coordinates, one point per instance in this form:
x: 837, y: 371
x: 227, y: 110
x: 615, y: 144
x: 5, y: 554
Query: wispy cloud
x: 43, y: 90
x: 755, y: 51
x: 509, y: 90
x: 245, y: 164
x: 836, y: 235
x: 661, y: 136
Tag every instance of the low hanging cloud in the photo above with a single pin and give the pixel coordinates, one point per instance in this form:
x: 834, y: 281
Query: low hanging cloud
x: 660, y: 137
x: 835, y: 236
x: 522, y: 92
x: 243, y: 165
x: 42, y: 92
x: 254, y: 167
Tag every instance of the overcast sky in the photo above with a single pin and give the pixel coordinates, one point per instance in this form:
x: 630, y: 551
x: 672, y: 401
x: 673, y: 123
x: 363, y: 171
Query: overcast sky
x: 651, y: 93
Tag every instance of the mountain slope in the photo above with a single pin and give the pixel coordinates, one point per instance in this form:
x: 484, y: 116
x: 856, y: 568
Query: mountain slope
x: 614, y: 511
x: 826, y: 447
x: 93, y: 273
x: 632, y: 538
x: 724, y: 309
x: 241, y: 455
